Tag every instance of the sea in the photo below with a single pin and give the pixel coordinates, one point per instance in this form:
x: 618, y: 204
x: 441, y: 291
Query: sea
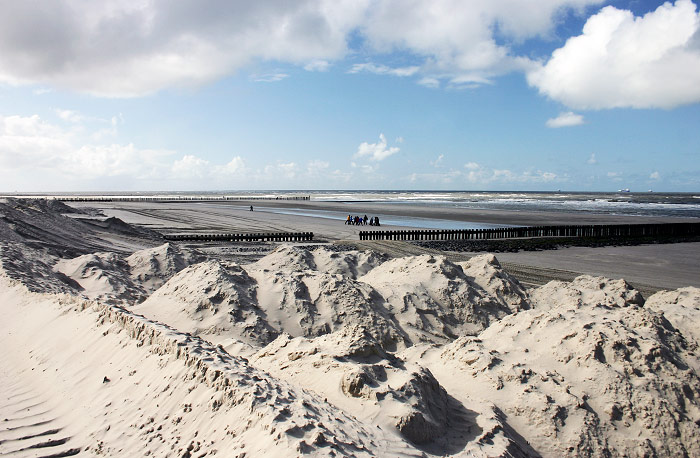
x: 617, y: 203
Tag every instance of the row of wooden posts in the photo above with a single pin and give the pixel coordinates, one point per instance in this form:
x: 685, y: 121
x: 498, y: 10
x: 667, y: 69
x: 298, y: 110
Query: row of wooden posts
x: 175, y: 198
x: 248, y: 237
x: 603, y: 230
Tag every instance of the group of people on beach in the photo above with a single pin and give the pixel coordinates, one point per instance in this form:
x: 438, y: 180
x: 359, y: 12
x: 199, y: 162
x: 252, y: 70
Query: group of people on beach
x: 362, y: 221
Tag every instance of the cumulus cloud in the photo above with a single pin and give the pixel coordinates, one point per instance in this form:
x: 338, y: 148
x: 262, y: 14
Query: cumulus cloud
x: 592, y: 160
x: 376, y: 151
x: 655, y: 176
x: 125, y: 49
x: 565, y: 120
x: 625, y: 61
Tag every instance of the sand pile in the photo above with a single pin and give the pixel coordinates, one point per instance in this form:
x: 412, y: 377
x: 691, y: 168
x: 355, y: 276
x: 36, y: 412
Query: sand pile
x: 588, y: 372
x: 682, y: 308
x: 349, y: 354
x: 110, y: 277
x: 433, y: 299
x: 152, y: 267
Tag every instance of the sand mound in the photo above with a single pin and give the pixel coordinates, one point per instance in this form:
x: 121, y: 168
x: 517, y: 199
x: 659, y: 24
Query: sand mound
x: 287, y: 258
x: 103, y: 276
x: 586, y: 290
x: 486, y: 271
x: 682, y: 308
x: 152, y: 267
x: 309, y: 303
x: 393, y: 394
x: 212, y: 299
x: 350, y: 264
x: 433, y: 299
x: 588, y: 373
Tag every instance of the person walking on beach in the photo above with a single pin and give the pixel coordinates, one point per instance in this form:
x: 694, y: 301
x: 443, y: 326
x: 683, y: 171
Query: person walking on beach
x: 251, y: 208
x: 349, y: 220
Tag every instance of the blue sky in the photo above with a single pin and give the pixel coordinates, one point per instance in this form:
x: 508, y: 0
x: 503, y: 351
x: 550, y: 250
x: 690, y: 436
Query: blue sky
x: 362, y: 94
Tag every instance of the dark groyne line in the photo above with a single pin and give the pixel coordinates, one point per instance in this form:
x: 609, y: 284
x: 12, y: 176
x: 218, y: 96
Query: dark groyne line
x: 248, y: 237
x: 176, y: 199
x: 602, y: 230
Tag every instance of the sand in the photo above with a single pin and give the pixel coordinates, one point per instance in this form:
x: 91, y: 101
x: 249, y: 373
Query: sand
x: 130, y: 346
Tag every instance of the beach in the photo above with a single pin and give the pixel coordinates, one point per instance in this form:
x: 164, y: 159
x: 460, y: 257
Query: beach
x: 666, y: 266
x: 118, y: 342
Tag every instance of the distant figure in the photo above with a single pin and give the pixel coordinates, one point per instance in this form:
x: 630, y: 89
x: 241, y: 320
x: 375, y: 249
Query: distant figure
x: 349, y: 220
x: 251, y: 208
x: 376, y: 221
x: 365, y: 220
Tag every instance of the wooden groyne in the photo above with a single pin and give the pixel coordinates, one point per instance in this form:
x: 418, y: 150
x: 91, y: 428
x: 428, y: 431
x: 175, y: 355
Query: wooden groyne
x: 247, y: 237
x: 175, y: 198
x: 595, y: 231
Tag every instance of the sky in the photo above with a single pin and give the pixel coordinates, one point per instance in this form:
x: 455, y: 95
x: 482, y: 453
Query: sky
x: 209, y: 95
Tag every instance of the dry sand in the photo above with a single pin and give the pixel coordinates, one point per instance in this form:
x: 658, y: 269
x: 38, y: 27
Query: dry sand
x: 117, y: 344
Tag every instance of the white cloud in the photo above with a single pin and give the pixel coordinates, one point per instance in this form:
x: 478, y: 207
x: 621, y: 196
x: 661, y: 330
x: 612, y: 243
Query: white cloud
x: 475, y: 174
x: 122, y: 49
x: 125, y: 49
x: 615, y: 176
x: 438, y: 161
x: 592, y: 160
x: 565, y: 120
x: 190, y: 166
x: 69, y: 115
x: 432, y: 83
x: 47, y: 156
x: 376, y: 151
x: 233, y: 167
x: 626, y: 61
x: 287, y: 170
x: 655, y: 176
x: 383, y: 69
x: 472, y: 166
x: 317, y: 66
x: 269, y: 77
x: 317, y: 167
x: 457, y: 37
